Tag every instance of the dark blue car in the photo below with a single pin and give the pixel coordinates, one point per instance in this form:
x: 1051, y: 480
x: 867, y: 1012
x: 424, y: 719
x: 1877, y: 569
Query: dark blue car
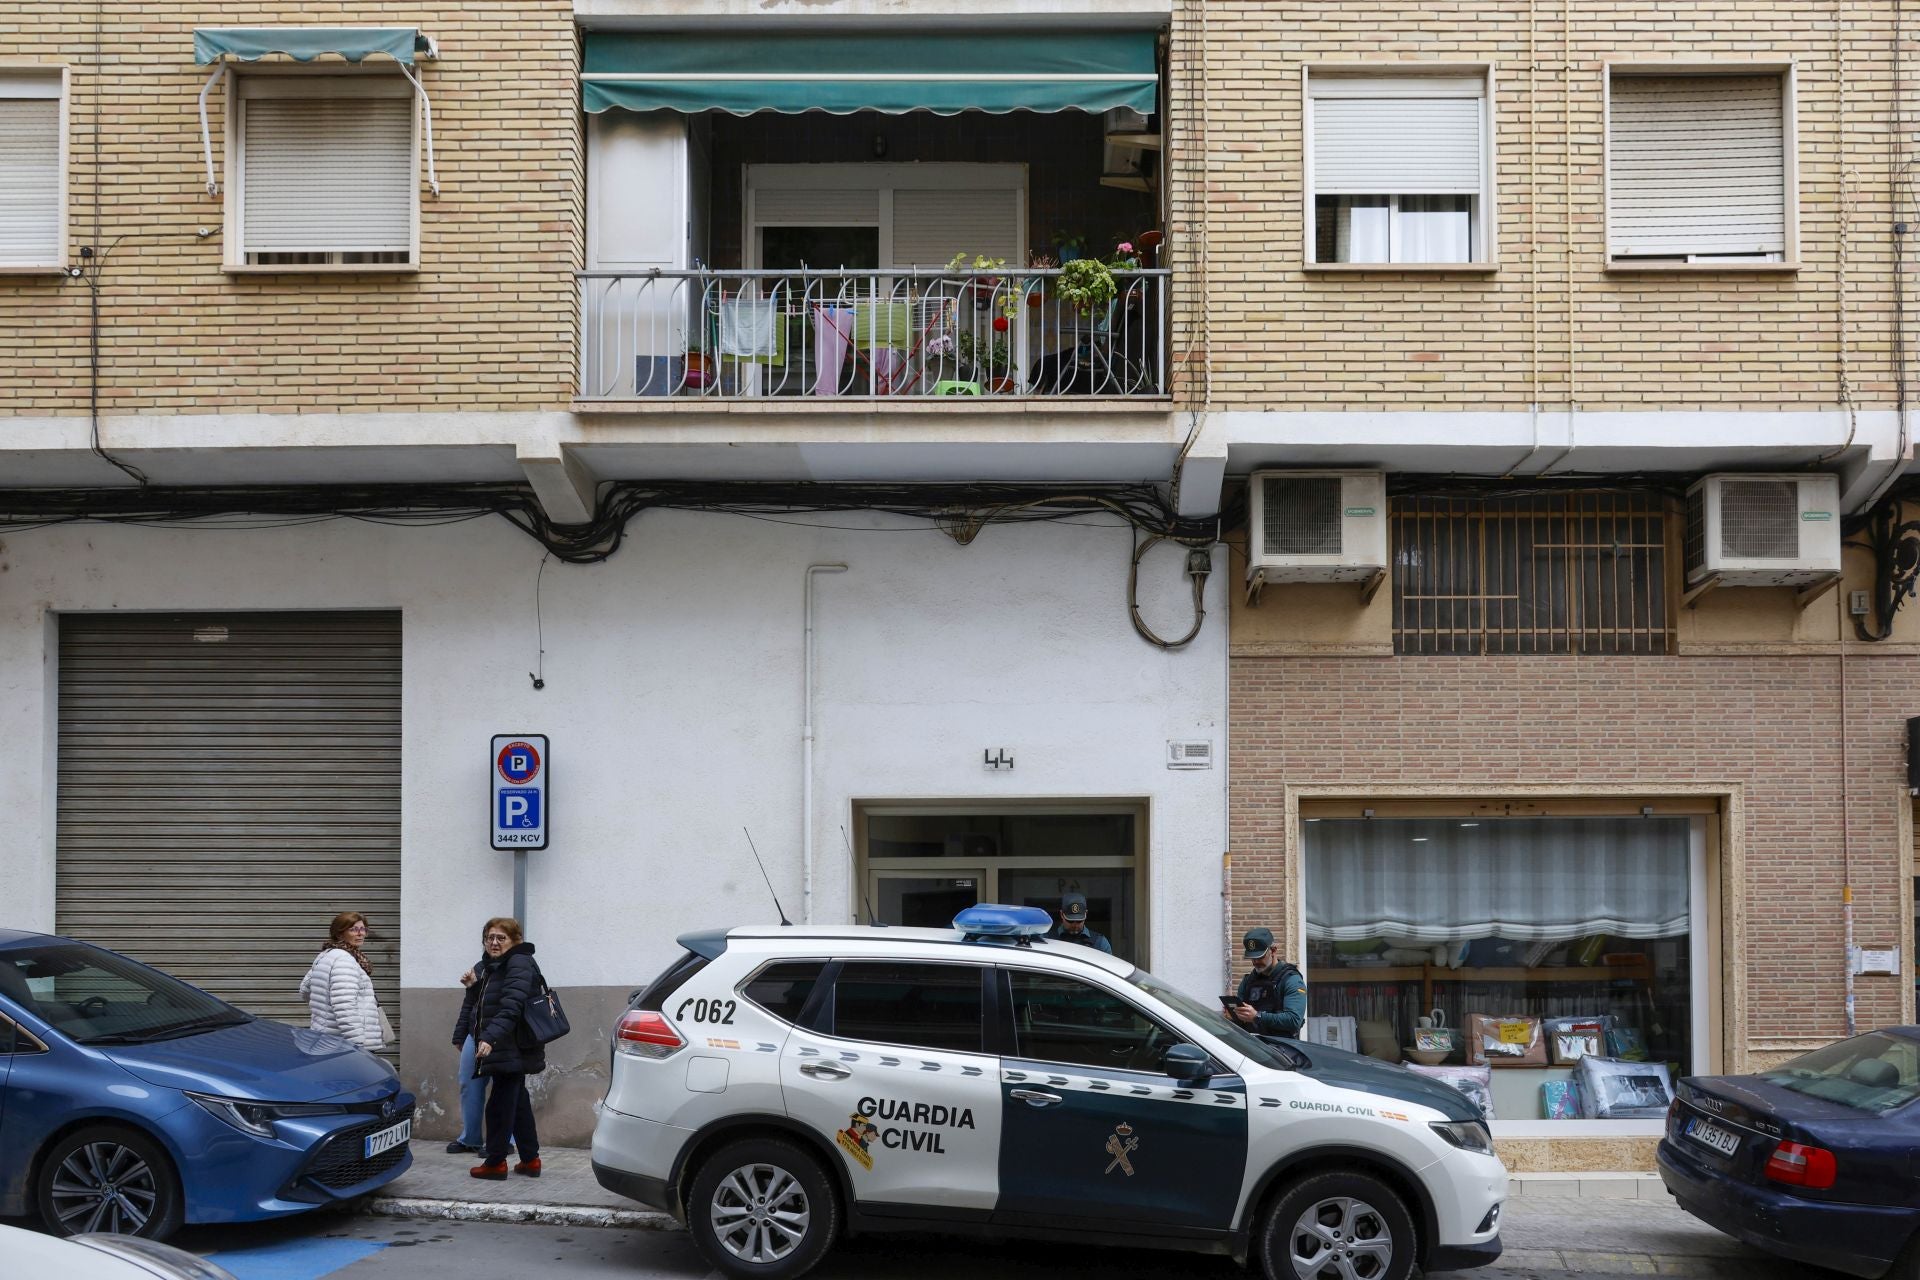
x: 1817, y: 1160
x: 132, y: 1102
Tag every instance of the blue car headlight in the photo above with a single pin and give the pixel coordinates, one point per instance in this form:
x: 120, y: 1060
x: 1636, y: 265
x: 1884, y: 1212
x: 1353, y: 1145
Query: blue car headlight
x: 257, y: 1118
x: 1468, y: 1135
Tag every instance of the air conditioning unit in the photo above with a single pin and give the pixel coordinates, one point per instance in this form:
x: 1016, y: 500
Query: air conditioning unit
x: 1317, y: 526
x: 1763, y: 530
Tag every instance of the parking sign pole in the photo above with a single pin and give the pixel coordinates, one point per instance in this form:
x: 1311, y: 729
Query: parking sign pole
x: 520, y: 887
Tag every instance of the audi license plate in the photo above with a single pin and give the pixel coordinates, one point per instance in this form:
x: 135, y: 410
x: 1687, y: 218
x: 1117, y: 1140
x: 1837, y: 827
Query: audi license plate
x: 1712, y: 1135
x: 388, y: 1139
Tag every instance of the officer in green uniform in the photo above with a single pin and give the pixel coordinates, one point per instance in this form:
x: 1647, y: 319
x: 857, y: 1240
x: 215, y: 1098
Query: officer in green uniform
x: 1273, y: 997
x: 1073, y: 925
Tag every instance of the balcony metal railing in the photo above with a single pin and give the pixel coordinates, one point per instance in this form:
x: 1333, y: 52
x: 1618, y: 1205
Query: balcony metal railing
x: 877, y: 335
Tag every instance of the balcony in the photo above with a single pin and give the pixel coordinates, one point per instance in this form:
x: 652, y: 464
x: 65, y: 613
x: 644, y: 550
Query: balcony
x: 806, y: 216
x: 901, y: 334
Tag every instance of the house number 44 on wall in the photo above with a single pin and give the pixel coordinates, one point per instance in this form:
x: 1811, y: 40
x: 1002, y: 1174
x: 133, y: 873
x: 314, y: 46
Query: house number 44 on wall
x: 996, y: 758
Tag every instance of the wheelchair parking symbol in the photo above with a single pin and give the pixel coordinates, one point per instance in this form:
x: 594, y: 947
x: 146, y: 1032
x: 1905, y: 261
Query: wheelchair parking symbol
x: 519, y: 809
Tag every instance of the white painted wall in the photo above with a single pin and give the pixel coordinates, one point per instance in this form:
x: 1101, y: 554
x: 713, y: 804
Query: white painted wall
x: 673, y: 699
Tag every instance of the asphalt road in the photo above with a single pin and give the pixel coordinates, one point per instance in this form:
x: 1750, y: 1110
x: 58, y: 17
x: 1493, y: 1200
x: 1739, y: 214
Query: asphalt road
x: 338, y: 1247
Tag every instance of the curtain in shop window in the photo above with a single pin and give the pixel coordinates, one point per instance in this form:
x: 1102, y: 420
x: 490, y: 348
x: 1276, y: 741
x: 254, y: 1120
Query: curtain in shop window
x: 1528, y: 879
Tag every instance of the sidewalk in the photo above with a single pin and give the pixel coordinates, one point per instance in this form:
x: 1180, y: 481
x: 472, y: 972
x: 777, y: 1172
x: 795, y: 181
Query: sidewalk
x: 565, y: 1195
x: 1552, y: 1227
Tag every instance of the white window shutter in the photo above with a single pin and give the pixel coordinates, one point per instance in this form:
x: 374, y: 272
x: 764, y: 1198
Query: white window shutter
x: 328, y: 175
x: 808, y: 207
x: 1696, y: 165
x: 30, y: 182
x: 930, y: 227
x: 1398, y: 146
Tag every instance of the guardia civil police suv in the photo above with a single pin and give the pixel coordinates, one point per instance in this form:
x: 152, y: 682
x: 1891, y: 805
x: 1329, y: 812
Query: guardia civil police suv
x: 777, y: 1086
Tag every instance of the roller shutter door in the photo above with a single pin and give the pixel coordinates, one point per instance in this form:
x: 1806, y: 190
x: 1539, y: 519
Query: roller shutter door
x: 227, y: 783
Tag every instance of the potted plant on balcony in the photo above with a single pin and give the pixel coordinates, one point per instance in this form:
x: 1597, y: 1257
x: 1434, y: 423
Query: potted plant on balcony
x: 1087, y: 284
x: 990, y: 361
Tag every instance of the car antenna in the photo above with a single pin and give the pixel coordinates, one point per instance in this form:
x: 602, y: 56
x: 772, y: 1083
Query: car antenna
x: 764, y: 876
x: 853, y: 864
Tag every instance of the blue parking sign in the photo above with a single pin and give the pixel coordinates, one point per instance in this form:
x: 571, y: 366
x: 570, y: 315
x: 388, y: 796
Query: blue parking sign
x: 519, y: 809
x: 520, y: 765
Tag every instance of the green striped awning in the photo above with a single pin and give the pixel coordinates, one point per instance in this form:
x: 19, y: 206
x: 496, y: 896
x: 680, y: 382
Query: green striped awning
x: 304, y: 44
x: 944, y: 73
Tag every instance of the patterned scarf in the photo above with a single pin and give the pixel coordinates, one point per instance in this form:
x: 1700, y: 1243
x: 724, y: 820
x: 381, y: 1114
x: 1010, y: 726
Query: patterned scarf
x: 350, y: 950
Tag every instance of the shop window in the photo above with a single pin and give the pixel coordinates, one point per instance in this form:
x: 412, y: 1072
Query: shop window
x: 923, y: 1006
x: 1529, y: 943
x: 1545, y: 573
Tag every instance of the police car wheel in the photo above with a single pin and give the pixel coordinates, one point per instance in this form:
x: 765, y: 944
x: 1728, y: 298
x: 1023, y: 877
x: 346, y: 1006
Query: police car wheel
x: 1338, y: 1226
x: 762, y: 1209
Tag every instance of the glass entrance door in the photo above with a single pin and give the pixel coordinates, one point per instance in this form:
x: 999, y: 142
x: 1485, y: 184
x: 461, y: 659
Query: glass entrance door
x: 922, y: 863
x: 924, y: 901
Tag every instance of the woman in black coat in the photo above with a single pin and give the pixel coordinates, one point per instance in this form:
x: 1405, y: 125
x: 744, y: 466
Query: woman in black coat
x: 494, y: 1014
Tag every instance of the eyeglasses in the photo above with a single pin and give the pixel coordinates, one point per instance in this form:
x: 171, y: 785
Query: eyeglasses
x: 497, y: 937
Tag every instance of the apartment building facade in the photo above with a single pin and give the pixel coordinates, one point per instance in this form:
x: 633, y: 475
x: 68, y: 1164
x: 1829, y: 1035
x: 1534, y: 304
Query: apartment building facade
x: 776, y: 289
x: 1546, y: 268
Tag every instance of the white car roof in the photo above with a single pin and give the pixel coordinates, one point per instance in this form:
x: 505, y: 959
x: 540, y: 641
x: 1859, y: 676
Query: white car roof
x: 930, y: 944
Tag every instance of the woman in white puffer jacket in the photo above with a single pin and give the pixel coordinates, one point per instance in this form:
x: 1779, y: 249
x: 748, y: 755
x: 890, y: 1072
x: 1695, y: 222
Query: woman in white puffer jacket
x: 339, y: 986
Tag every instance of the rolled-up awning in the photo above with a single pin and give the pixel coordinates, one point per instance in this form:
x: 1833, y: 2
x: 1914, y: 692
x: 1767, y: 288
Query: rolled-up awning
x: 941, y: 72
x: 304, y: 44
x: 217, y: 45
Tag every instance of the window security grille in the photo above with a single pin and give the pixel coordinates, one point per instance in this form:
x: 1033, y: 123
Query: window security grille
x: 1302, y: 517
x: 1760, y: 519
x: 1543, y: 574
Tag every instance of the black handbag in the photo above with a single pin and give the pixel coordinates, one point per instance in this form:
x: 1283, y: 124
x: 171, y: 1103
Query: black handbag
x: 543, y: 1018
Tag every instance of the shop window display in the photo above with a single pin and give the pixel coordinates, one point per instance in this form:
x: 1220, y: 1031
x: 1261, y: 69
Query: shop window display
x: 1543, y: 964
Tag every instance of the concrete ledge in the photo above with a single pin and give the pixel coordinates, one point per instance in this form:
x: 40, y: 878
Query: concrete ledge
x: 550, y: 1215
x: 1607, y: 1186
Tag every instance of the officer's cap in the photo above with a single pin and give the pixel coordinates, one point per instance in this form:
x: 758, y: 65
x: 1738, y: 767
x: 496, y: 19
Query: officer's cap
x: 1256, y: 942
x: 1073, y: 907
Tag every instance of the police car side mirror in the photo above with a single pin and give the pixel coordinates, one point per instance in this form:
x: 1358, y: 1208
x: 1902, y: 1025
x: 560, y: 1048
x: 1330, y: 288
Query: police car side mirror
x: 1186, y: 1062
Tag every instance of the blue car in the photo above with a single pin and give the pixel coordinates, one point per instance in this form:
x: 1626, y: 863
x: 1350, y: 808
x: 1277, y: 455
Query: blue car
x: 131, y: 1102
x: 1814, y: 1160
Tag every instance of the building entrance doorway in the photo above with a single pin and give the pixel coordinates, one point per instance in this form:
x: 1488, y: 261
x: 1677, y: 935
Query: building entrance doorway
x: 922, y: 864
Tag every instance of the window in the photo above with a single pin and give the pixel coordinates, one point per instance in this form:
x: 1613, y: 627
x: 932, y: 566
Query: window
x: 324, y: 172
x: 782, y: 988
x: 926, y: 1006
x: 1875, y: 1072
x: 861, y: 215
x: 1058, y: 1019
x: 1699, y: 168
x: 1546, y: 573
x: 1398, y: 168
x: 33, y: 166
x: 1538, y: 938
x: 97, y: 997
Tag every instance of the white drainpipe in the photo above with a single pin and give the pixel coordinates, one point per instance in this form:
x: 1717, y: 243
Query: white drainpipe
x: 806, y: 754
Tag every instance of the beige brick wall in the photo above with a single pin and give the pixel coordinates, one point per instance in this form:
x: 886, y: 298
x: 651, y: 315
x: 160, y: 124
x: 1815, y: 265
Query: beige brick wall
x: 1767, y: 728
x: 1286, y: 338
x: 488, y: 321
